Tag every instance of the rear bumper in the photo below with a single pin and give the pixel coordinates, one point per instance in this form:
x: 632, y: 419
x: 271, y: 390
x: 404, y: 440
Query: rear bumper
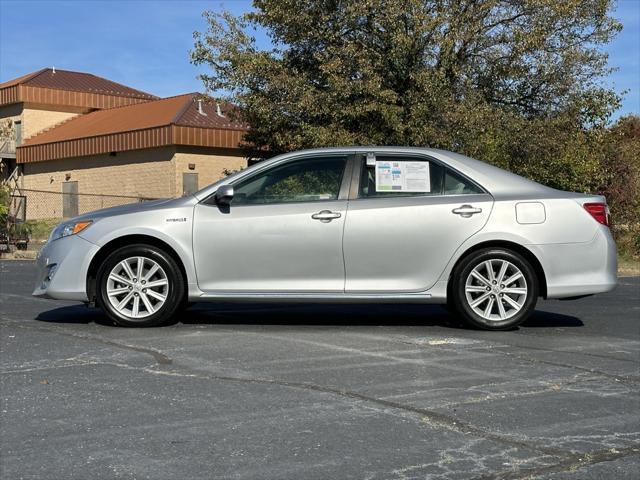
x: 576, y: 269
x: 62, y: 267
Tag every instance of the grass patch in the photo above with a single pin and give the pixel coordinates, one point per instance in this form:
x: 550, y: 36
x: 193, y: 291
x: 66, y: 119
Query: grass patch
x: 628, y: 266
x: 628, y: 243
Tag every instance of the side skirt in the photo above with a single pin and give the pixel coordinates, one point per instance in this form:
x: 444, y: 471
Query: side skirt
x: 317, y: 298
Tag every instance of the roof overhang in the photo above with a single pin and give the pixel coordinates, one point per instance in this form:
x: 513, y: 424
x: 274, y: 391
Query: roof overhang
x: 63, y: 98
x: 132, y: 140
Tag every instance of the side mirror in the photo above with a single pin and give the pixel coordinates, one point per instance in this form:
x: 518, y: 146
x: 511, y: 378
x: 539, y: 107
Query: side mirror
x: 224, y: 195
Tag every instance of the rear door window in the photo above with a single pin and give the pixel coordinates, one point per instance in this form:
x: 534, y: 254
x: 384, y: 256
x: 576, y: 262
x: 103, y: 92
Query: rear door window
x: 396, y: 176
x: 400, y: 176
x: 456, y: 184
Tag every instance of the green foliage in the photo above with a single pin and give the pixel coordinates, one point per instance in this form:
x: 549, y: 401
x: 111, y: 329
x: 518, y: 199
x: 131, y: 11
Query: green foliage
x: 41, y: 229
x: 314, y: 182
x: 19, y: 230
x: 476, y: 77
x: 622, y: 167
x: 4, y: 204
x: 622, y: 182
x: 514, y: 83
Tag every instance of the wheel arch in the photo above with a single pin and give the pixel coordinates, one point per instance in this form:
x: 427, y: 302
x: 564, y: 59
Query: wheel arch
x: 124, y: 241
x: 524, y: 251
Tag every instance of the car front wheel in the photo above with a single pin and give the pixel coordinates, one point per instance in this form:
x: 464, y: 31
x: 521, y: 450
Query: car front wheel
x: 495, y: 289
x: 140, y: 286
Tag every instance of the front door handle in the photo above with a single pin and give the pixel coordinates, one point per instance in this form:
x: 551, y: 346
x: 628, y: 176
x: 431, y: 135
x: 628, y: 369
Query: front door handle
x: 466, y: 211
x: 325, y: 216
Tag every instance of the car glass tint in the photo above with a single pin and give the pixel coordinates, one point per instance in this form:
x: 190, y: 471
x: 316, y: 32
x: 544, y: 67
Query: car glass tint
x: 456, y: 184
x: 308, y: 180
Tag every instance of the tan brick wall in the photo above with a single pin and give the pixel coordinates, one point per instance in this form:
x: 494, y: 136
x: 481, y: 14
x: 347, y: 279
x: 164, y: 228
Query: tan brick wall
x: 152, y: 173
x: 36, y: 120
x: 141, y: 173
x: 209, y: 165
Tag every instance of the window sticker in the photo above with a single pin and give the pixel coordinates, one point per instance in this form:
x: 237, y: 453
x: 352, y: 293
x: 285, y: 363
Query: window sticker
x: 402, y: 176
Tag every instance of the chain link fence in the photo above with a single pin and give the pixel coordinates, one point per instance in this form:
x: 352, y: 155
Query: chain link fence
x: 38, y: 211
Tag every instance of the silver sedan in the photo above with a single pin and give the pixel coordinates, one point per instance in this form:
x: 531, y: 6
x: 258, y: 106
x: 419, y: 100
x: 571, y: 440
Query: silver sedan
x: 359, y: 224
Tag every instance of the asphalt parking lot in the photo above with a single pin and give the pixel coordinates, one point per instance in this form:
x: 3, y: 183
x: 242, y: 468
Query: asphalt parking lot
x: 306, y: 392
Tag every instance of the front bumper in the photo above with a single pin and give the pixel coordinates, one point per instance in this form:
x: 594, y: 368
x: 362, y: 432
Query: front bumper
x: 62, y: 267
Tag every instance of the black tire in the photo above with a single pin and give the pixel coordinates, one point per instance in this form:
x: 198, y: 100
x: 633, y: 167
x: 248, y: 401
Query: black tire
x: 449, y: 308
x: 175, y: 293
x: 461, y: 303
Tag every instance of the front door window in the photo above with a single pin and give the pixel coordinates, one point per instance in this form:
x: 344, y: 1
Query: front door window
x: 306, y: 180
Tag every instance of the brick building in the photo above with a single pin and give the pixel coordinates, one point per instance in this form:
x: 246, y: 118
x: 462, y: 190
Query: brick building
x: 80, y: 135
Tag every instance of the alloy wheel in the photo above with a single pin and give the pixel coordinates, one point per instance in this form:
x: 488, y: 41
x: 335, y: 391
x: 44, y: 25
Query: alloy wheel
x: 137, y: 287
x: 496, y: 289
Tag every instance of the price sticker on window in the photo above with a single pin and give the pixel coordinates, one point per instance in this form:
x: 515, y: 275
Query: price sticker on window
x: 402, y: 176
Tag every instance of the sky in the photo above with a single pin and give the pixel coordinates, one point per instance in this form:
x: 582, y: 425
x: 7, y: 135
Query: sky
x: 145, y: 44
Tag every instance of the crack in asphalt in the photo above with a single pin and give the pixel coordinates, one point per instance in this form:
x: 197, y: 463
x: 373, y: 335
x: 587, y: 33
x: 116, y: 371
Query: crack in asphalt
x: 625, y: 379
x: 158, y: 356
x: 490, y: 396
x: 568, y: 461
x: 572, y: 462
x: 426, y: 416
x: 541, y: 349
x: 573, y: 352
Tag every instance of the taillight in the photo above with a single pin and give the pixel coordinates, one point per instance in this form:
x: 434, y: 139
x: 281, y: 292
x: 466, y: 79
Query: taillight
x: 599, y: 211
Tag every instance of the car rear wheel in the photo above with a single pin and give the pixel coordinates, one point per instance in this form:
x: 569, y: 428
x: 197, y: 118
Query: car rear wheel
x: 494, y: 289
x: 140, y: 286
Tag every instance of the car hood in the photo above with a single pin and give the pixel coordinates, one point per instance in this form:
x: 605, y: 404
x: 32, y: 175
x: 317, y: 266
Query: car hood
x: 136, y: 207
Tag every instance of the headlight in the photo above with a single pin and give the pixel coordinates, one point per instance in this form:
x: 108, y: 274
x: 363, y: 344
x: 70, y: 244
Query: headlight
x: 70, y: 228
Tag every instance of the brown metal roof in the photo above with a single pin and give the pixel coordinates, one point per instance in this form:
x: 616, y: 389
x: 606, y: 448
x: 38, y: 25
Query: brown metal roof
x: 76, y: 82
x: 20, y: 80
x: 169, y: 121
x: 180, y: 110
x: 190, y: 116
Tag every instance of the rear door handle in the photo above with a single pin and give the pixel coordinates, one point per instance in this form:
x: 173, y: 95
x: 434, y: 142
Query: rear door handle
x: 466, y: 211
x: 325, y: 216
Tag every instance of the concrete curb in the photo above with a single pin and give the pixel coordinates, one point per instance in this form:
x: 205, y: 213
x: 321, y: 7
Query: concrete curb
x: 19, y: 255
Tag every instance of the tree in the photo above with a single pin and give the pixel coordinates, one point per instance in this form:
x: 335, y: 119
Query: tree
x: 5, y: 201
x: 7, y: 129
x: 623, y: 168
x: 511, y: 82
x: 622, y: 182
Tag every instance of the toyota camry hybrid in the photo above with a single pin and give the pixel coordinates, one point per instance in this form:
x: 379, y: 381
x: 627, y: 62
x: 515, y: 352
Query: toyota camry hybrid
x: 353, y: 224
